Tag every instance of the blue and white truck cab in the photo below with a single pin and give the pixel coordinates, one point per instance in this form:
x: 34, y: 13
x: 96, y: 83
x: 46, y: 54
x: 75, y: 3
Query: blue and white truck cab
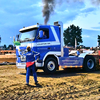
x: 52, y: 53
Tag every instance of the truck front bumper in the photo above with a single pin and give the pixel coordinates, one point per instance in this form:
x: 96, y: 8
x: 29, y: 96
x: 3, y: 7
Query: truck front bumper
x: 21, y: 65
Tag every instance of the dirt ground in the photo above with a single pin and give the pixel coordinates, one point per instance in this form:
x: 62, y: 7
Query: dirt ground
x: 63, y: 85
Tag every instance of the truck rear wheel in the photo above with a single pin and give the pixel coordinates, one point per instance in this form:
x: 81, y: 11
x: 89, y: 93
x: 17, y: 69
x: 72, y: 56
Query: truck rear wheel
x: 50, y: 65
x: 89, y: 63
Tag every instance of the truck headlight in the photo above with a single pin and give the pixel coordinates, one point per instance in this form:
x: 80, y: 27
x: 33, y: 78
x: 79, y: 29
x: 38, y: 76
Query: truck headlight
x: 19, y: 50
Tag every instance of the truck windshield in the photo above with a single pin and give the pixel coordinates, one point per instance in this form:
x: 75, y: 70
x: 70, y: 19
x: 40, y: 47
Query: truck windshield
x: 27, y: 35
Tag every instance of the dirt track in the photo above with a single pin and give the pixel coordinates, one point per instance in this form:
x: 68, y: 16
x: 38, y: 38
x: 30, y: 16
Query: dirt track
x: 63, y: 85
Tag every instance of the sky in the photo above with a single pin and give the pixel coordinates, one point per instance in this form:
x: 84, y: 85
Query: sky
x: 15, y: 14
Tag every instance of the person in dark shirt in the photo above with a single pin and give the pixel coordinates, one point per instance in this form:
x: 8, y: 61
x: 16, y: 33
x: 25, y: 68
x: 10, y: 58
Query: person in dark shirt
x: 44, y: 36
x: 30, y: 64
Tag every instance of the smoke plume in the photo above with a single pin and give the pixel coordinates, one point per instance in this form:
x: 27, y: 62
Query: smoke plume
x: 95, y: 2
x: 48, y: 7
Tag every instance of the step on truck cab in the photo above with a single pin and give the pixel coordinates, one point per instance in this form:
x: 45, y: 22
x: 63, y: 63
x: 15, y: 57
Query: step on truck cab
x: 50, y: 48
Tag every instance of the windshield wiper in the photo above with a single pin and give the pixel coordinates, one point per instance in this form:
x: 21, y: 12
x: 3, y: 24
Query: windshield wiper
x: 27, y: 39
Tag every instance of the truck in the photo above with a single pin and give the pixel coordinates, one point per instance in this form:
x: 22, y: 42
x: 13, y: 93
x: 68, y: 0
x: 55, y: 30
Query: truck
x: 52, y: 52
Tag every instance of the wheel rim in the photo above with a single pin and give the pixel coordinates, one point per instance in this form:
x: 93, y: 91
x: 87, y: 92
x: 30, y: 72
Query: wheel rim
x: 51, y: 65
x: 90, y: 63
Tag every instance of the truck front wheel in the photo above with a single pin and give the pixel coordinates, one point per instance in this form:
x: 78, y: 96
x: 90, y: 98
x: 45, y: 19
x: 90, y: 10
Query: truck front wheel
x: 50, y: 65
x: 89, y: 63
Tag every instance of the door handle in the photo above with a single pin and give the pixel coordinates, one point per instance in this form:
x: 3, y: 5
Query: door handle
x: 49, y: 48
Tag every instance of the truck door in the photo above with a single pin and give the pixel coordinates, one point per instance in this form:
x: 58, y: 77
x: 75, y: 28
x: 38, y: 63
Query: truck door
x: 43, y: 43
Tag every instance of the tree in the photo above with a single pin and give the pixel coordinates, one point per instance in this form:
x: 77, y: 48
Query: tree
x: 5, y: 47
x: 10, y: 47
x: 71, y: 33
x: 98, y: 39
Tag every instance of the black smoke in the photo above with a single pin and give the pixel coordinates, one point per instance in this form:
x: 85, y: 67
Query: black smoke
x: 95, y: 2
x: 48, y: 8
x: 49, y: 5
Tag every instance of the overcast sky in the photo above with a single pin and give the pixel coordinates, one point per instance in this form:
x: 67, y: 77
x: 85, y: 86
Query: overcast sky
x: 14, y: 14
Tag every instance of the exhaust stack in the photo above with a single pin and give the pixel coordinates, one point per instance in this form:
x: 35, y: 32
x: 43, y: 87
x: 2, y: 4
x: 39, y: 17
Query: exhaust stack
x: 60, y: 24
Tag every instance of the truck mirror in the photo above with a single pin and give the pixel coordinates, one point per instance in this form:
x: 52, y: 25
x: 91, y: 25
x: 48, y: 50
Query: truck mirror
x: 17, y: 43
x: 40, y: 34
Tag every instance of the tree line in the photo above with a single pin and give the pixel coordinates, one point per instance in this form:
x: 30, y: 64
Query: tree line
x: 9, y: 47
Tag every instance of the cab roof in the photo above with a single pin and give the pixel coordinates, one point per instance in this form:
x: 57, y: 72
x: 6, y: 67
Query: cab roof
x: 29, y: 28
x: 34, y: 27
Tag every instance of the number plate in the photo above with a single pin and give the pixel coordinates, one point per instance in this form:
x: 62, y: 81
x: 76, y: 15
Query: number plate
x: 21, y: 65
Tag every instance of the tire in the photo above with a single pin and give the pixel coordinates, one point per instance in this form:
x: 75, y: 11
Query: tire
x: 89, y: 64
x: 50, y: 65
